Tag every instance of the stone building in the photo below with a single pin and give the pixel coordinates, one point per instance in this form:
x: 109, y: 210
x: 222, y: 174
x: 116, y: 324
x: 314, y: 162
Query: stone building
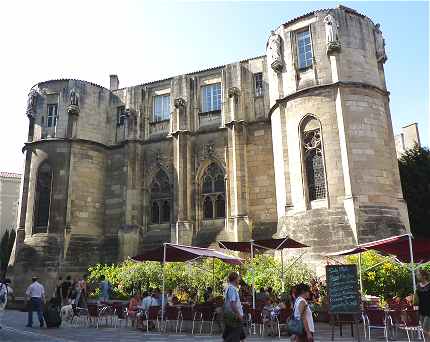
x: 297, y: 142
x: 9, y: 198
x: 407, y: 138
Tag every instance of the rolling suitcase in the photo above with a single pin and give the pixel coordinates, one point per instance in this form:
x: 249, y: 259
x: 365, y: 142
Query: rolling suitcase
x: 52, y: 316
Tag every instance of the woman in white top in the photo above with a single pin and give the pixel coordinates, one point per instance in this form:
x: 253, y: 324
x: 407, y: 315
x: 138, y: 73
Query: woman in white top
x: 5, y: 292
x: 302, y: 311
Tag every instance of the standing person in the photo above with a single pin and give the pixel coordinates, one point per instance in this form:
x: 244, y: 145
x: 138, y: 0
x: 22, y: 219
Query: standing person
x: 35, y: 296
x: 5, y: 292
x: 65, y: 288
x: 423, y: 296
x: 104, y: 289
x: 58, y: 294
x: 83, y: 288
x: 302, y: 311
x: 233, y: 311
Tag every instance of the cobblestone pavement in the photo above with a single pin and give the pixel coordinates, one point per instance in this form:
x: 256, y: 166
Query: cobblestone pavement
x: 14, y: 330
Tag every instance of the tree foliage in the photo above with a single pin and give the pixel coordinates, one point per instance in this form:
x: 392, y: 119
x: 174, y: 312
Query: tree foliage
x: 382, y: 276
x: 6, y: 246
x: 414, y: 166
x: 191, y: 279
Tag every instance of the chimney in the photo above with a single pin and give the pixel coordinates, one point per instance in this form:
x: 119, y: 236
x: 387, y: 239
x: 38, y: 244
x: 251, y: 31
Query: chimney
x: 114, y: 82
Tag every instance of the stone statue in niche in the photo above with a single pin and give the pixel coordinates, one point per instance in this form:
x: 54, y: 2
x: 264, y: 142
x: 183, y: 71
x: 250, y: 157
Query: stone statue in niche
x: 381, y: 56
x: 209, y: 151
x: 31, y: 103
x: 74, y: 99
x: 275, y: 52
x: 331, y: 33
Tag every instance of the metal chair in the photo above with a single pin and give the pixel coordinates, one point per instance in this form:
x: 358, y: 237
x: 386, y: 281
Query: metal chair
x: 204, y: 314
x: 254, y: 320
x: 186, y: 314
x: 80, y: 317
x: 377, y: 319
x: 282, y: 319
x: 153, y: 315
x: 108, y: 314
x: 411, y: 323
x: 94, y: 314
x: 171, y: 313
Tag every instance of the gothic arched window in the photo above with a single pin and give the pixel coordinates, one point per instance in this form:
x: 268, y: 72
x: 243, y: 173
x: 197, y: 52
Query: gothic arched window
x: 155, y: 212
x: 213, y: 193
x: 161, y: 198
x: 313, y: 157
x: 43, y: 198
x: 208, y: 210
x: 220, y: 206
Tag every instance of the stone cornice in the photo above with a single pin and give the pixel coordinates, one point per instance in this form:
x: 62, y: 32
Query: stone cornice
x: 180, y: 132
x: 30, y: 144
x: 339, y: 84
x: 236, y: 122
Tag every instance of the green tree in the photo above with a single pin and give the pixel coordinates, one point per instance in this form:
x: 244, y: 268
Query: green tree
x: 382, y: 276
x: 6, y: 246
x: 414, y: 166
x: 130, y: 277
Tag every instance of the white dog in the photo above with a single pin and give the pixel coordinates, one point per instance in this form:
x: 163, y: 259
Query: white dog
x: 67, y: 313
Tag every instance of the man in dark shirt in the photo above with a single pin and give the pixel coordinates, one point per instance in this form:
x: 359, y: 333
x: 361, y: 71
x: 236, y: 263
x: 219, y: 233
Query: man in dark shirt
x: 65, y: 288
x: 423, y: 294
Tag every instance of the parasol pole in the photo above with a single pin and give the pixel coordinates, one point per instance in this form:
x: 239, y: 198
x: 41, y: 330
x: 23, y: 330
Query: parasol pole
x: 282, y: 270
x: 213, y: 275
x: 414, y: 284
x: 359, y: 273
x: 162, y: 293
x: 252, y: 274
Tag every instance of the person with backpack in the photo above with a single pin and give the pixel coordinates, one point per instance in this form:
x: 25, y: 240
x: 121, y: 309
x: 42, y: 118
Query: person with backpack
x: 233, y: 311
x: 302, y: 324
x: 5, y: 291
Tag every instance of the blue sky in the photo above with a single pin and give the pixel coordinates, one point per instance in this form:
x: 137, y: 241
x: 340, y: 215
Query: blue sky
x: 148, y: 40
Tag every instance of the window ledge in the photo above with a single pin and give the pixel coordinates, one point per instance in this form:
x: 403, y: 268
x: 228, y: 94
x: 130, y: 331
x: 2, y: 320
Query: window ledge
x: 157, y: 122
x: 306, y: 69
x: 319, y: 203
x: 159, y: 226
x: 214, y: 219
x: 211, y: 112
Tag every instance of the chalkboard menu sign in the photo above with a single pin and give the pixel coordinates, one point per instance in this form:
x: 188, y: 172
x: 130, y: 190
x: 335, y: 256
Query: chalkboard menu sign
x: 342, y: 286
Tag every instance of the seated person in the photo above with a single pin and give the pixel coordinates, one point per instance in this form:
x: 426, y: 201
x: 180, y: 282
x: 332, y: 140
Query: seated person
x: 148, y: 301
x: 262, y: 295
x: 132, y: 308
x: 170, y: 297
x: 268, y: 316
x: 208, y: 295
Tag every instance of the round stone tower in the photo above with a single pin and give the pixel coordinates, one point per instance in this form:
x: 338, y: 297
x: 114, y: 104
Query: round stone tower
x: 62, y: 200
x: 337, y: 177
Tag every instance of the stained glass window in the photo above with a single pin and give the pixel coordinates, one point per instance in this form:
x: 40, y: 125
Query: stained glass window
x: 314, y: 161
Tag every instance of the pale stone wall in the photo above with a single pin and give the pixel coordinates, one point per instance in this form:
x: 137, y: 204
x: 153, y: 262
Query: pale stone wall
x: 345, y: 91
x: 9, y: 199
x: 102, y: 170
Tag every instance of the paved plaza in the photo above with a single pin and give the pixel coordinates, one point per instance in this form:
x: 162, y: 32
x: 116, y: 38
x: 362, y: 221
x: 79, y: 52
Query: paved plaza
x: 14, y: 330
